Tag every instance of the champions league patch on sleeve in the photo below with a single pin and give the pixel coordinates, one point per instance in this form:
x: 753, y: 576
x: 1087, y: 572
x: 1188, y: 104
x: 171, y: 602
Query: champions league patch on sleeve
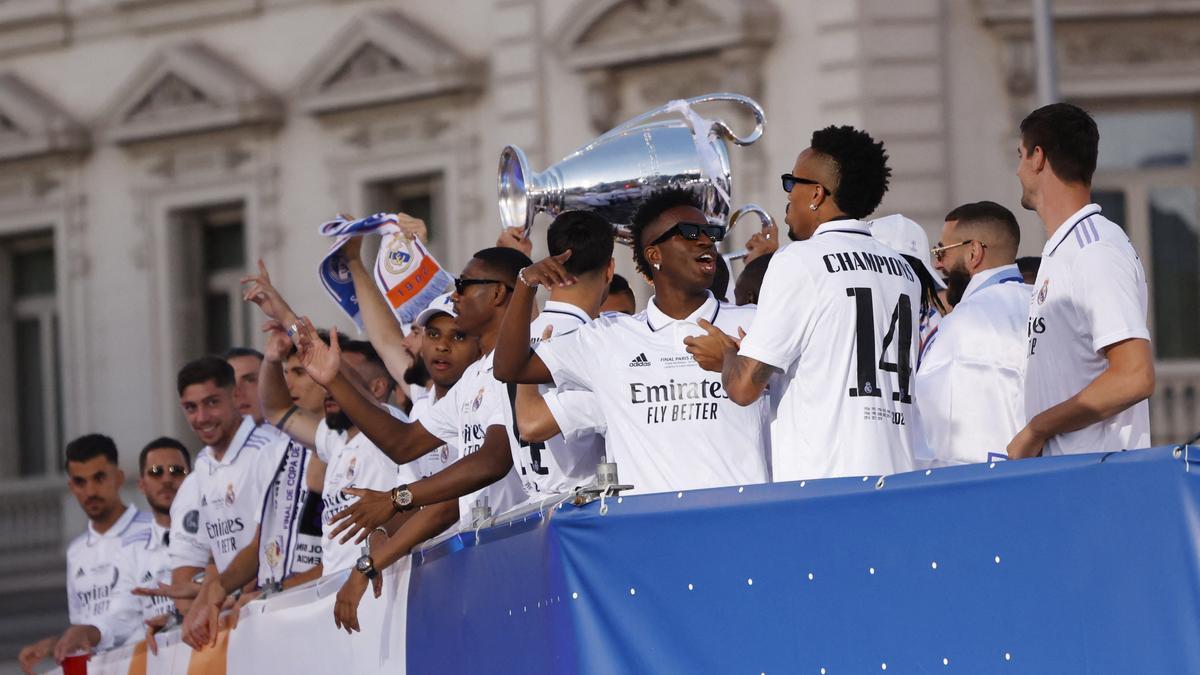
x: 191, y: 521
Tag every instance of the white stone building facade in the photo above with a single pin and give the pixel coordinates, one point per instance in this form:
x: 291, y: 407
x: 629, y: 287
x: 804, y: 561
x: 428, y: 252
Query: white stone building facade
x: 152, y: 150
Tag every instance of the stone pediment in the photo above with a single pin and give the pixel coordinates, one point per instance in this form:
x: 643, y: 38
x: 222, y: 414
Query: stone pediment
x: 383, y: 57
x: 31, y: 124
x: 606, y: 33
x: 185, y: 89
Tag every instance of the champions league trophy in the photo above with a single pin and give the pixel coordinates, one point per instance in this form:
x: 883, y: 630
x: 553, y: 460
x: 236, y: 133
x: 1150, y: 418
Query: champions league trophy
x: 671, y: 146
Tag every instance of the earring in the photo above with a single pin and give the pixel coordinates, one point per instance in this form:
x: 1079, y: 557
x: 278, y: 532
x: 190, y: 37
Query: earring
x: 812, y: 207
x: 657, y: 266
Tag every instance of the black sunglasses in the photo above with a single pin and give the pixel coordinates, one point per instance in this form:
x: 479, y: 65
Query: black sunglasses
x: 692, y: 231
x: 460, y: 285
x: 790, y: 181
x: 174, y: 469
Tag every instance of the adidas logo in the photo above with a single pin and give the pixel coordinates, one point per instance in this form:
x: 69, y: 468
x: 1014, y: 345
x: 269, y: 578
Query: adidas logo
x: 639, y: 360
x: 79, y: 573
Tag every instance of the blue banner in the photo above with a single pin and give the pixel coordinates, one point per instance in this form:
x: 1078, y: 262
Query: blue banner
x: 1083, y: 564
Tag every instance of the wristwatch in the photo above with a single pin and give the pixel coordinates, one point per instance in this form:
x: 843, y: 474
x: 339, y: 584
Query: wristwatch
x: 402, y: 498
x: 367, y: 566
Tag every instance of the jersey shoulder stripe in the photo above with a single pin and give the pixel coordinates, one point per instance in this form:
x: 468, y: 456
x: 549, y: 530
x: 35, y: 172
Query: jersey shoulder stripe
x: 141, y: 537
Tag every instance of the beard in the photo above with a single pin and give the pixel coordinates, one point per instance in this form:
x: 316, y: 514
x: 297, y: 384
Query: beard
x: 338, y: 421
x: 417, y: 373
x: 956, y: 284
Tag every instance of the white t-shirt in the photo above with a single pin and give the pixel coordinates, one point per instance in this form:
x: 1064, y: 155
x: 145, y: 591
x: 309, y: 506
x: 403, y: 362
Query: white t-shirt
x: 462, y: 416
x: 231, y: 494
x: 356, y: 462
x: 144, y: 563
x: 833, y: 310
x: 439, y: 458
x: 94, y: 575
x: 670, y: 424
x: 970, y: 397
x: 560, y: 464
x: 1090, y: 293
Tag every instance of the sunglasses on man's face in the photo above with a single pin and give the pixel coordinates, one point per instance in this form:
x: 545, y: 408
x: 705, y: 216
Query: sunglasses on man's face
x: 692, y: 232
x: 158, y: 470
x: 461, y: 285
x: 790, y: 181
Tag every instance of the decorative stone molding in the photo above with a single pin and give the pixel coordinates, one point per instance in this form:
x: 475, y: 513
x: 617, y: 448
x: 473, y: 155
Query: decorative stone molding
x: 1021, y: 11
x: 31, y: 24
x: 187, y: 89
x: 384, y: 57
x: 31, y: 124
x: 602, y: 38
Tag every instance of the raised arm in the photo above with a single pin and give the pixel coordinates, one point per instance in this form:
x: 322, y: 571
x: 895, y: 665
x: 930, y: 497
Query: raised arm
x: 383, y: 330
x: 300, y: 424
x: 535, y: 422
x: 401, y: 441
x: 515, y: 361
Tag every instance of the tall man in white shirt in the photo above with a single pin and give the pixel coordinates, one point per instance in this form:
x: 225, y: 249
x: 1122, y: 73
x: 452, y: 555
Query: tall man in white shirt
x: 142, y: 558
x: 970, y: 392
x: 95, y: 479
x: 837, y: 316
x: 670, y: 425
x: 1090, y: 367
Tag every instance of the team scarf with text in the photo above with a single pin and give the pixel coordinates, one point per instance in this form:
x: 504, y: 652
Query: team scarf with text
x: 280, y: 519
x: 405, y: 271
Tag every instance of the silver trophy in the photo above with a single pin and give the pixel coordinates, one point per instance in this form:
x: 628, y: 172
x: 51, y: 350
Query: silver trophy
x: 671, y: 146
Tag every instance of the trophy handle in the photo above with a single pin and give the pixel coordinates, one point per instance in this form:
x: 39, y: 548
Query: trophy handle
x: 765, y: 221
x: 720, y: 127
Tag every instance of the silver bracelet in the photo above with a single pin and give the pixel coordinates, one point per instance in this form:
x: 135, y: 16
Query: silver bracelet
x: 521, y: 278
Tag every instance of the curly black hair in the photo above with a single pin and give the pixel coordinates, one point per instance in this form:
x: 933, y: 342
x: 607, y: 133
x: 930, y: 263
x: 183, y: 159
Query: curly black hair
x: 651, y: 209
x: 862, y: 170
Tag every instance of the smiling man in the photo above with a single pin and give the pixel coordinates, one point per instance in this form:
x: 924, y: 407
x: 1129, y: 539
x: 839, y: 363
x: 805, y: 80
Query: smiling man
x: 670, y: 425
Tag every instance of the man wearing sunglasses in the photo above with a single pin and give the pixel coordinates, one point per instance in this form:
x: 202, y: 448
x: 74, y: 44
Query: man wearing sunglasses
x: 670, y: 425
x: 142, y: 557
x: 971, y: 399
x: 837, y: 317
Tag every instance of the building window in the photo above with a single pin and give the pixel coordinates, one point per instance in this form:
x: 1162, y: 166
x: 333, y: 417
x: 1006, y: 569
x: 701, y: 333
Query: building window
x: 1147, y: 180
x: 417, y: 196
x: 213, y: 239
x: 34, y: 374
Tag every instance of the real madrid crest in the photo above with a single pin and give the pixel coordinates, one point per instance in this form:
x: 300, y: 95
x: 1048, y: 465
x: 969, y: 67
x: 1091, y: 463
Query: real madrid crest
x: 478, y: 399
x: 229, y: 495
x: 1041, y: 296
x: 398, y: 258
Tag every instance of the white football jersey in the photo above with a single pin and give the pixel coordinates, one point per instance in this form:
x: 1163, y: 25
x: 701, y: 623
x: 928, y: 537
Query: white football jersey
x: 970, y: 391
x: 838, y: 313
x: 559, y: 464
x: 439, y: 458
x: 231, y: 491
x: 1090, y: 293
x: 94, y: 576
x: 353, y: 462
x: 144, y: 563
x: 670, y: 424
x: 462, y: 416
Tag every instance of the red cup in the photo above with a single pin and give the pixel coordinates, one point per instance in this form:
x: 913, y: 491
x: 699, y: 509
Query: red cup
x: 75, y: 665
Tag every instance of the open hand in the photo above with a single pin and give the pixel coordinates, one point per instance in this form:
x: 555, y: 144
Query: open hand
x: 709, y: 349
x: 182, y: 591
x: 345, y: 608
x: 154, y: 626
x: 31, y: 654
x: 371, y: 510
x: 320, y: 360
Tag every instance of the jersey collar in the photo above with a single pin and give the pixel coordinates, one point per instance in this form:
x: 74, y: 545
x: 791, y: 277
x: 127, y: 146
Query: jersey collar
x: 656, y: 320
x: 235, y: 446
x: 118, y: 528
x: 1068, y: 226
x: 985, y: 277
x: 557, y: 307
x: 846, y: 226
x: 158, y: 534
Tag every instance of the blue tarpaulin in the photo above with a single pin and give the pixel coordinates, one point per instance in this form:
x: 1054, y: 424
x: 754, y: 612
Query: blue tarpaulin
x: 1082, y: 564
